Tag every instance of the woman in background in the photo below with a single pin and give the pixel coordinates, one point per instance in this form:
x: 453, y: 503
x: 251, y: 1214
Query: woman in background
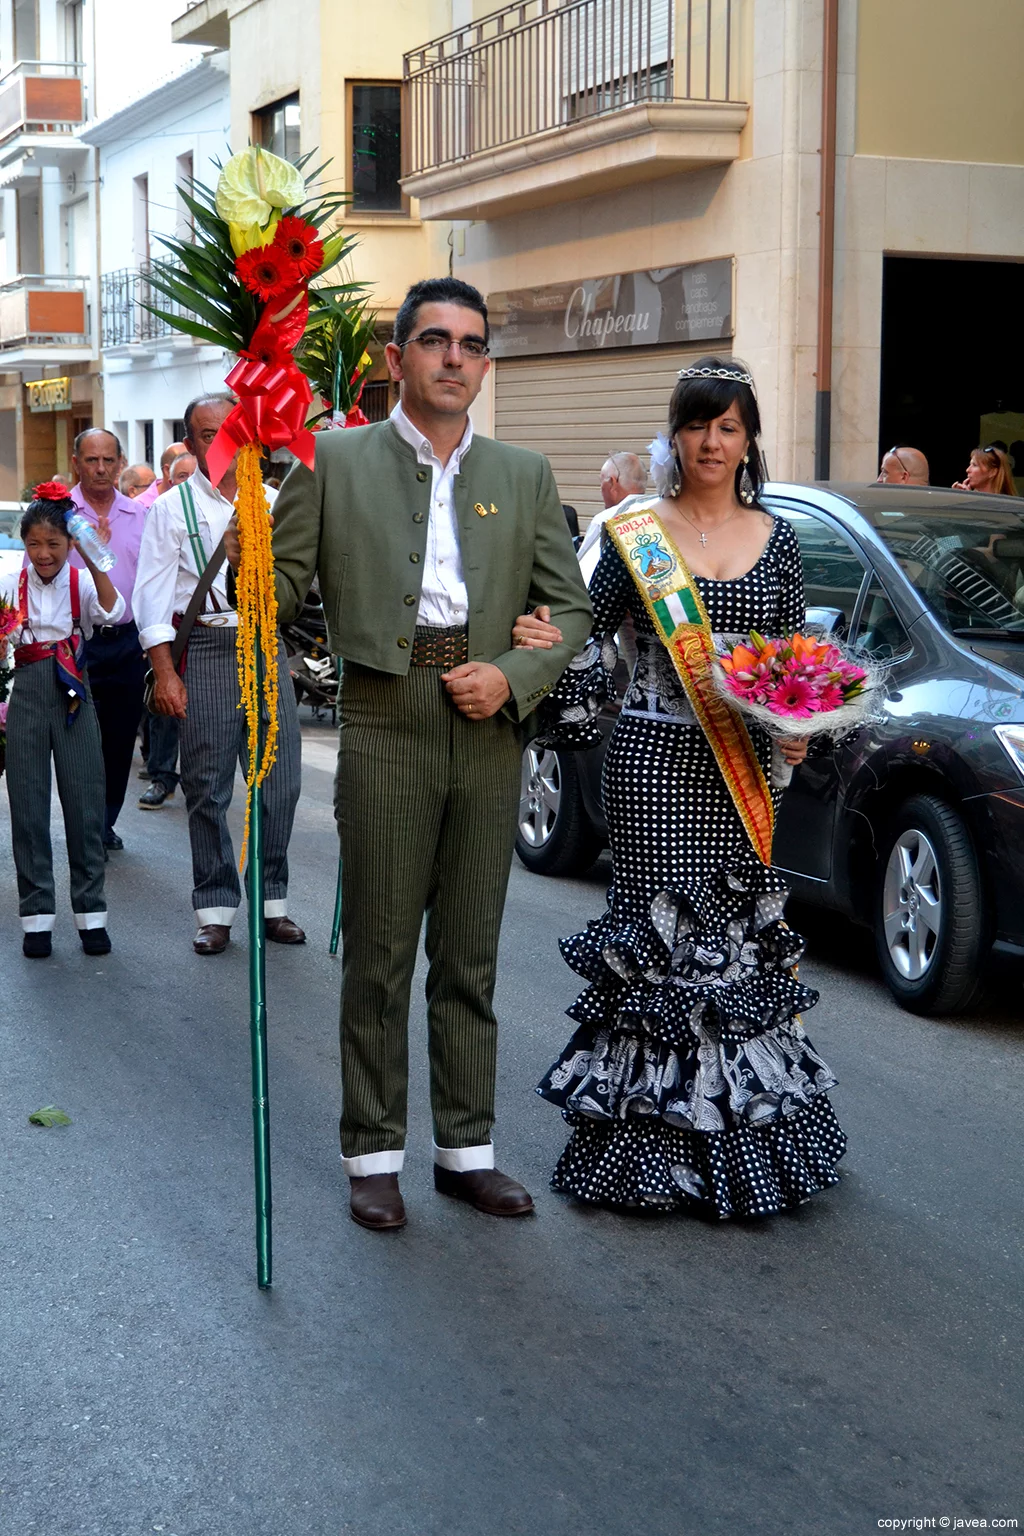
x: 989, y: 470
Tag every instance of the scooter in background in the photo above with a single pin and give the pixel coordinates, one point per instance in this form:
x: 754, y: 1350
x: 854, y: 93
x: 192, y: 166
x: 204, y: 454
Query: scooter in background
x: 313, y: 670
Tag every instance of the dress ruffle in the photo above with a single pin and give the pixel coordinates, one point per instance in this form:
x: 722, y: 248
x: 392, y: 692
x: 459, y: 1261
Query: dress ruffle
x: 689, y: 1029
x: 753, y: 1171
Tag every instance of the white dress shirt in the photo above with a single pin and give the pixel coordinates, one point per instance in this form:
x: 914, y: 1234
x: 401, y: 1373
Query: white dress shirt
x: 444, y: 602
x: 49, y: 606
x: 168, y: 574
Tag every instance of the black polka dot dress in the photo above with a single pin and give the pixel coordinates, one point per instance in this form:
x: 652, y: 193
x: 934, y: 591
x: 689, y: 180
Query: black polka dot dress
x: 689, y: 1082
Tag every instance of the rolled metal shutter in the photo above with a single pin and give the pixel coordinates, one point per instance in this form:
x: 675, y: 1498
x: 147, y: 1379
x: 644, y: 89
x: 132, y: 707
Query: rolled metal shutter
x: 578, y: 409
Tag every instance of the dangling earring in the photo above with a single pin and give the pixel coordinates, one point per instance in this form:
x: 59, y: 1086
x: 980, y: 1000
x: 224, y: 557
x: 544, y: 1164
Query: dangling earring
x: 676, y: 482
x: 746, y: 484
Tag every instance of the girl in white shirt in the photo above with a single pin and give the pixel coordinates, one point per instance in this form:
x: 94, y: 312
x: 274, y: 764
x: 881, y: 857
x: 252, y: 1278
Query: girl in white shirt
x: 51, y: 715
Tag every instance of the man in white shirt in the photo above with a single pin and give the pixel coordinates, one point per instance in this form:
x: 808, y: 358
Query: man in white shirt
x: 183, y: 530
x: 623, y: 478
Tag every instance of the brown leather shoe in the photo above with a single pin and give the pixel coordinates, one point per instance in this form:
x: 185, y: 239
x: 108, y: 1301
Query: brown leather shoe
x: 212, y: 939
x: 486, y: 1189
x: 376, y: 1202
x: 283, y: 931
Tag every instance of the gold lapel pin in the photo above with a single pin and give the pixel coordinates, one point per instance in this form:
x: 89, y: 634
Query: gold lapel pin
x: 480, y: 509
x: 494, y: 509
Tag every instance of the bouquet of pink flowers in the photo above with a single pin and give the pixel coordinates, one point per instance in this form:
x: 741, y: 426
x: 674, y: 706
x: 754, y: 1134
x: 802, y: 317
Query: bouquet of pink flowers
x: 798, y: 686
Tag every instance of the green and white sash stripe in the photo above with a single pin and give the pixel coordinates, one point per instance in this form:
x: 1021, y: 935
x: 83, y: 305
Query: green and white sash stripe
x: 188, y: 503
x: 676, y: 608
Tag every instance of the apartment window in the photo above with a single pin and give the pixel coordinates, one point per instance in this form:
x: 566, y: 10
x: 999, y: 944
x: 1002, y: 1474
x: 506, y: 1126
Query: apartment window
x: 184, y: 171
x: 277, y: 128
x: 30, y: 233
x: 140, y: 220
x: 147, y: 442
x: 73, y: 44
x: 376, y: 148
x: 25, y: 16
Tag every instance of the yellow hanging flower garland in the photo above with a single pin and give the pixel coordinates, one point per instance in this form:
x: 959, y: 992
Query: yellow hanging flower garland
x: 257, y: 617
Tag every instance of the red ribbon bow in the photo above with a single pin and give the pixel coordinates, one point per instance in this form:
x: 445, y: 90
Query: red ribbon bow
x: 273, y: 396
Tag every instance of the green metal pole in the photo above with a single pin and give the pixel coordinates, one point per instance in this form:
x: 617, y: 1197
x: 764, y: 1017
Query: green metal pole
x: 258, y: 1013
x: 336, y: 927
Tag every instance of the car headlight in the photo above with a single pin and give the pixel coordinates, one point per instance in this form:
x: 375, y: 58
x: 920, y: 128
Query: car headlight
x: 1011, y: 738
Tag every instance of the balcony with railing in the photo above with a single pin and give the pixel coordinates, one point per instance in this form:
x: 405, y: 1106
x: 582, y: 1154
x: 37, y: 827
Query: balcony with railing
x: 42, y: 106
x: 44, y: 319
x: 125, y: 322
x: 546, y: 100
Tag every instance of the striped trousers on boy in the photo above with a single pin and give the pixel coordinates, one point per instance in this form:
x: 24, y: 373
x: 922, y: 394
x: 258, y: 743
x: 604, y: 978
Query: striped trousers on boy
x: 38, y: 732
x: 426, y: 803
x: 213, y: 745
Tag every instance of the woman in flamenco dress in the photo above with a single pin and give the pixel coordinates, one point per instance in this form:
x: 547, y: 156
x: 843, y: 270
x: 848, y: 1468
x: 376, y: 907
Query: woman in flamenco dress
x: 689, y: 1082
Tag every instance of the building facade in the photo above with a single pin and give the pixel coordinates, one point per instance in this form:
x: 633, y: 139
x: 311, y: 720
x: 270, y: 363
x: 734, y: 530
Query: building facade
x: 632, y: 183
x: 147, y: 151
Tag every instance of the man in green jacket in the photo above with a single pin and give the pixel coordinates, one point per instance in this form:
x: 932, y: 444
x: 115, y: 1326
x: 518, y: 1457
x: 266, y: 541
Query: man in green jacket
x: 431, y: 545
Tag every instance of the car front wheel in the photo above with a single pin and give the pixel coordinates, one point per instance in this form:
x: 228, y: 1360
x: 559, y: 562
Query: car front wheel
x: 929, y: 918
x: 555, y: 835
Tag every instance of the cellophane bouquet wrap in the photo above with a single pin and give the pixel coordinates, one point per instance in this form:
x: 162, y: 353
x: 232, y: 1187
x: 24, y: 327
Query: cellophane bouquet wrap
x: 797, y: 686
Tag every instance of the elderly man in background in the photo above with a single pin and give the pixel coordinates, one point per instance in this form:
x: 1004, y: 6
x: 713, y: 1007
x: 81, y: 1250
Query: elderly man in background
x: 622, y: 476
x: 134, y: 480
x: 184, y: 530
x: 903, y: 466
x: 161, y: 486
x: 162, y: 756
x: 115, y: 662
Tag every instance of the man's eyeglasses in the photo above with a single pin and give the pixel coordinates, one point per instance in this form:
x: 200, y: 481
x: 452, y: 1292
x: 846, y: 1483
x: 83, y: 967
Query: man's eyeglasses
x: 440, y: 342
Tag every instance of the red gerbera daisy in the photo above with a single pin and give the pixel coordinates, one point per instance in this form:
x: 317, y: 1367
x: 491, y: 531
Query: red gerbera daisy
x: 50, y: 490
x: 300, y: 241
x: 267, y: 271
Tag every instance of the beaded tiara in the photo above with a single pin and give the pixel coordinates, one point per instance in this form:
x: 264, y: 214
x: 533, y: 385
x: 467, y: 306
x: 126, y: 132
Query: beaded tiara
x: 716, y: 373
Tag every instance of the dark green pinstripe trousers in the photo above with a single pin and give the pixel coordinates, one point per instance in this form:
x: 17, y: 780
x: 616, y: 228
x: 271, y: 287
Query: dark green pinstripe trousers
x: 426, y: 803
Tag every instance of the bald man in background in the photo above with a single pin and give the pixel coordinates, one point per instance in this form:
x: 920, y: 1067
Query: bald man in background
x: 173, y: 451
x: 622, y: 476
x: 903, y: 466
x: 135, y: 479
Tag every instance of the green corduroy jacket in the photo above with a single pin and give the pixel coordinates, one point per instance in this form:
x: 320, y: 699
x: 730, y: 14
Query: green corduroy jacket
x: 358, y: 523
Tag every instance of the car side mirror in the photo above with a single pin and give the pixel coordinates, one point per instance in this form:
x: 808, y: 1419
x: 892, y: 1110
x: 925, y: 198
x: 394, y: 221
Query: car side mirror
x: 827, y: 621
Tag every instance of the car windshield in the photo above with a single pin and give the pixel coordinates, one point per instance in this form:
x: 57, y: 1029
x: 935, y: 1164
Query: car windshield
x: 967, y: 565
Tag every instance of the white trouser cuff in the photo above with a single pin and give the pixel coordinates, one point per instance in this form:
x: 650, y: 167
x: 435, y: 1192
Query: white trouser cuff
x: 43, y: 922
x: 373, y: 1162
x: 222, y: 916
x: 464, y: 1159
x: 90, y: 920
x: 276, y: 908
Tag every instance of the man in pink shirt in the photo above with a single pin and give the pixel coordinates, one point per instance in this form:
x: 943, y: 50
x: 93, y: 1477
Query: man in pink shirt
x: 113, y: 655
x: 147, y: 497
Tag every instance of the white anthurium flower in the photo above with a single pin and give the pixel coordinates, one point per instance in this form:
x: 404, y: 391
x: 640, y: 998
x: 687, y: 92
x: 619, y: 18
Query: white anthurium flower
x: 254, y: 183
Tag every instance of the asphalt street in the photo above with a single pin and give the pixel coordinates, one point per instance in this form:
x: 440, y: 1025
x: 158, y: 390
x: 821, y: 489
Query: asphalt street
x: 859, y: 1360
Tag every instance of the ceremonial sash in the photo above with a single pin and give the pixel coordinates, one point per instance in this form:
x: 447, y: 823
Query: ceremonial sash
x: 68, y: 655
x: 674, y: 604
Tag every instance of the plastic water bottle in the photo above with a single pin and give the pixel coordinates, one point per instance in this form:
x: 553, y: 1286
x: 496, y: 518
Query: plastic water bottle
x: 101, y: 555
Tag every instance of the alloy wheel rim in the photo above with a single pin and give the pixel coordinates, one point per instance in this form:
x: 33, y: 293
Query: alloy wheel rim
x: 540, y: 796
x: 912, y: 904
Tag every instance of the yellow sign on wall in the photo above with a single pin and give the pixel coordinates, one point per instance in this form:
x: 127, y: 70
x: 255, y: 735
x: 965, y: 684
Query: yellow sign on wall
x: 49, y: 395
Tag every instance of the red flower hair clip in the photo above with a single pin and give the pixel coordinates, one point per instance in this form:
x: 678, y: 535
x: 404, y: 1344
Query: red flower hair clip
x: 50, y: 490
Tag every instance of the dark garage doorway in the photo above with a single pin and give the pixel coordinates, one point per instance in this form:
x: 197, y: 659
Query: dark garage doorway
x: 952, y: 356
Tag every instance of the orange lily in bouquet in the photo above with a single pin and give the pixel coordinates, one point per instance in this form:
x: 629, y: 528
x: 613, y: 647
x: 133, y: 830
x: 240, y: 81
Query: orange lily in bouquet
x: 797, y: 686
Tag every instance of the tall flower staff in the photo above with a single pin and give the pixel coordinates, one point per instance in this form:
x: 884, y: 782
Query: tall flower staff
x: 243, y: 283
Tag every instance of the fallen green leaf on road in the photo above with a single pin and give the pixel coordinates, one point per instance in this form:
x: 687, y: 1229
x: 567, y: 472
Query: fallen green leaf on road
x: 49, y: 1115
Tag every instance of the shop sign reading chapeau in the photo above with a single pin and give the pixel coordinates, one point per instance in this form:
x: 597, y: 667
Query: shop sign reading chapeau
x: 634, y: 309
x: 49, y: 395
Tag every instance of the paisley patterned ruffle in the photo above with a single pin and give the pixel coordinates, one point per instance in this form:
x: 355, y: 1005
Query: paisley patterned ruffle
x: 753, y: 1171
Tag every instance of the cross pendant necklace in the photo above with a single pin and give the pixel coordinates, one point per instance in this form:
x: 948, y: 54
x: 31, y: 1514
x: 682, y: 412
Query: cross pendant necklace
x: 700, y: 532
x: 703, y: 538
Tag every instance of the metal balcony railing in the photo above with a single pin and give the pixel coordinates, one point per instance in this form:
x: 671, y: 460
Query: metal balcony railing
x: 38, y: 310
x: 123, y: 318
x: 37, y: 96
x: 541, y: 65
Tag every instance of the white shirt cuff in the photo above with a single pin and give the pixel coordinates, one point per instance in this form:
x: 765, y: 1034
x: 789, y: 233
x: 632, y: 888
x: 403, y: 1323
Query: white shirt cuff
x: 276, y: 908
x: 373, y: 1162
x: 464, y: 1159
x: 156, y: 634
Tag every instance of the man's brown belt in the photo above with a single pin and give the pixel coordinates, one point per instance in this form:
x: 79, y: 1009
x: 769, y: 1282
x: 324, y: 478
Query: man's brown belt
x: 445, y: 648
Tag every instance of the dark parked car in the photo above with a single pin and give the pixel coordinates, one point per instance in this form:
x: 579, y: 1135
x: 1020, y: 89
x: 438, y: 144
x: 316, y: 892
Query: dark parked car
x: 913, y: 826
